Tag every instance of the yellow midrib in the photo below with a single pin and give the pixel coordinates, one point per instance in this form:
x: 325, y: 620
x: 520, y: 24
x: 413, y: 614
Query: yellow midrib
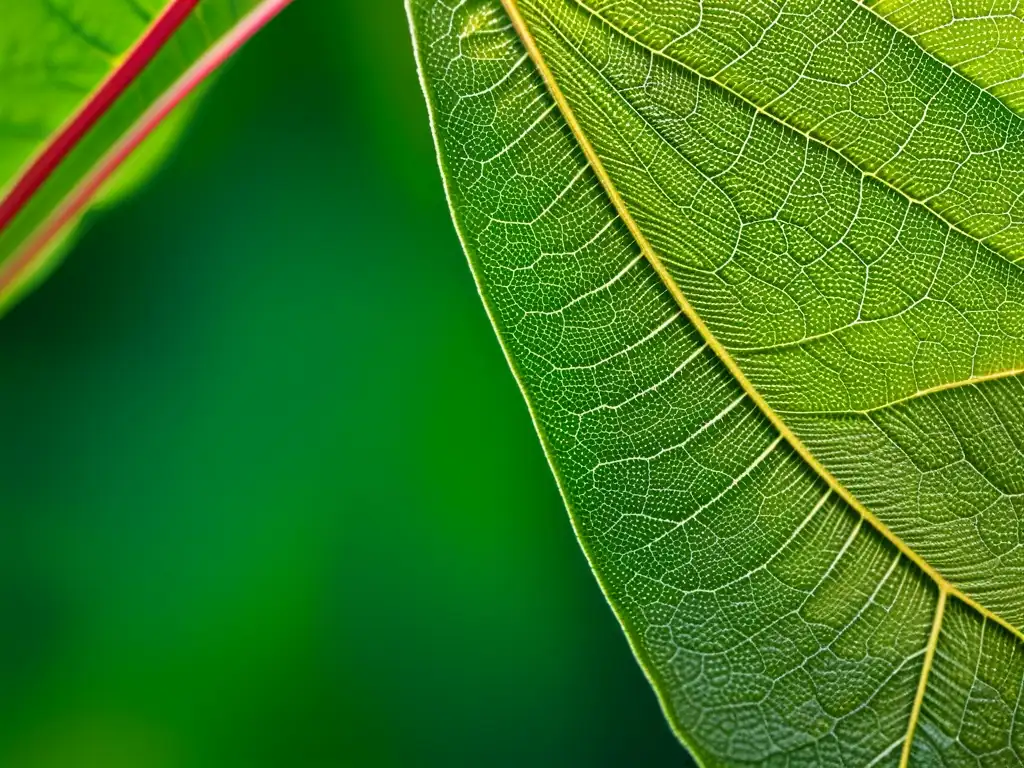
x: 945, y: 588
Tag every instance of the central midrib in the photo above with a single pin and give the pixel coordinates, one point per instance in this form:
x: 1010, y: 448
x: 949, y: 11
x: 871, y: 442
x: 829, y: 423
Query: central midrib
x: 945, y: 588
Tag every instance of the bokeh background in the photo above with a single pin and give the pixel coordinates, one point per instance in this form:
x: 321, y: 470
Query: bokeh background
x: 269, y: 494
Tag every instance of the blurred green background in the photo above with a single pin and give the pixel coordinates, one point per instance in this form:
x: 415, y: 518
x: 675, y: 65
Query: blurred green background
x: 270, y: 495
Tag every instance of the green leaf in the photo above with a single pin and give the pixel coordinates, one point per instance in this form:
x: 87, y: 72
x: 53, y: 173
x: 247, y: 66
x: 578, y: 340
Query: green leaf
x: 756, y: 266
x: 85, y: 83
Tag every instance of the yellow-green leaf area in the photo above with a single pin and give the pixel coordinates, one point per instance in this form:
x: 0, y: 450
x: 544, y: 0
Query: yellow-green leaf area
x: 983, y: 39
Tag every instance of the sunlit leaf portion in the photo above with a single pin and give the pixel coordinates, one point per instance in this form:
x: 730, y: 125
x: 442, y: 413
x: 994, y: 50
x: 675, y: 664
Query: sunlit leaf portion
x: 837, y: 72
x: 982, y: 40
x: 755, y: 267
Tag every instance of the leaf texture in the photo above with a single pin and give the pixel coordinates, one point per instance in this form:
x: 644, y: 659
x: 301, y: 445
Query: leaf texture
x: 984, y: 41
x: 756, y: 266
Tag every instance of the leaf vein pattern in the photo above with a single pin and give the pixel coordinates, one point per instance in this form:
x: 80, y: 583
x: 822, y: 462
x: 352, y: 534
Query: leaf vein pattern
x: 860, y: 373
x: 776, y: 626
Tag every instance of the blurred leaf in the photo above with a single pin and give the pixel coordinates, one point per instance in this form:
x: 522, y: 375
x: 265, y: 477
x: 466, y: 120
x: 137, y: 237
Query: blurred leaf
x: 81, y: 80
x: 757, y: 272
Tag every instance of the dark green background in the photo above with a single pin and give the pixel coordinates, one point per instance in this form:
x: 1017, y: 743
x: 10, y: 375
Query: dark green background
x: 270, y: 495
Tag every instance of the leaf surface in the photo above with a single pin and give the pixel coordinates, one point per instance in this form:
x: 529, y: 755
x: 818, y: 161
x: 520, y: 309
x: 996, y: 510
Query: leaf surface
x: 983, y: 41
x: 83, y: 83
x: 757, y: 269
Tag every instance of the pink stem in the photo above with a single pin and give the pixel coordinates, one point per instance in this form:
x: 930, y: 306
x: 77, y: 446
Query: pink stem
x: 79, y: 197
x: 95, y: 106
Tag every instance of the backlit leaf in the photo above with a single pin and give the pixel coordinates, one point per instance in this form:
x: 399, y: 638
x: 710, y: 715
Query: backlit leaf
x: 757, y: 267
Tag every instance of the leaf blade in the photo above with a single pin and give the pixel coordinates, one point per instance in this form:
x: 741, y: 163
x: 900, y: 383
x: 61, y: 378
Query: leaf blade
x: 624, y: 283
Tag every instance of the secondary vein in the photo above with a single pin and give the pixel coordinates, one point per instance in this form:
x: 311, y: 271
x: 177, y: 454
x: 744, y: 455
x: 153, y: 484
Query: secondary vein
x: 922, y: 683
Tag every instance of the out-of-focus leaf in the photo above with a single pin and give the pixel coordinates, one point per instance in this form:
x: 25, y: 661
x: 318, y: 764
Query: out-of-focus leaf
x: 78, y: 79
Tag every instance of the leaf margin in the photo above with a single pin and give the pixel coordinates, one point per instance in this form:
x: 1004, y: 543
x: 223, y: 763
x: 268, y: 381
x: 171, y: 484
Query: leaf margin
x: 633, y: 638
